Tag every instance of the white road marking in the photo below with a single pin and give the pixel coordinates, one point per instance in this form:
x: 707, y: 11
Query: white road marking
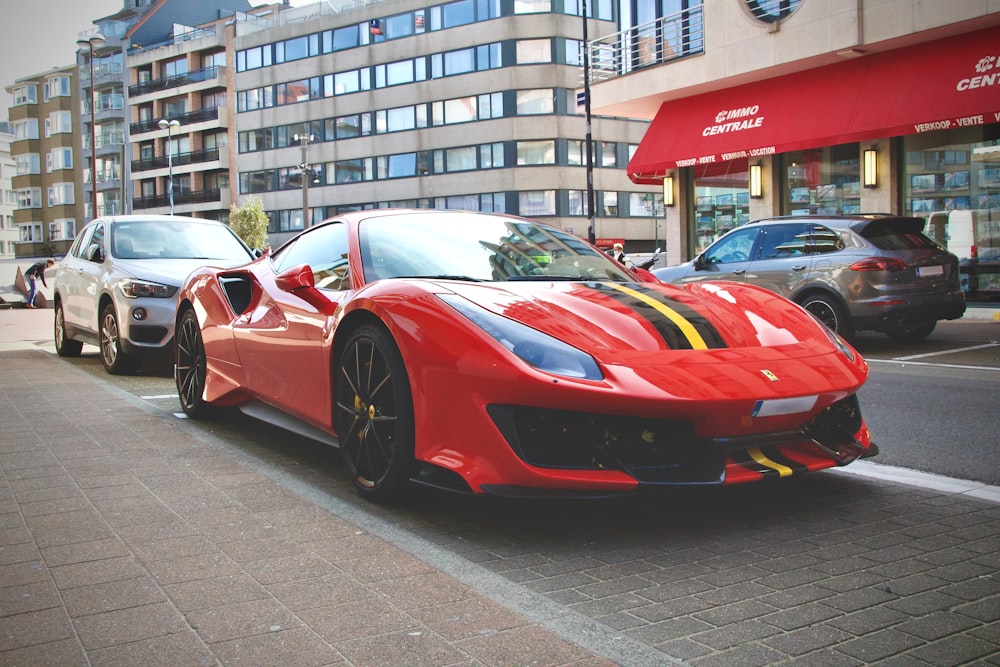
x: 957, y: 349
x: 922, y: 479
x: 925, y: 363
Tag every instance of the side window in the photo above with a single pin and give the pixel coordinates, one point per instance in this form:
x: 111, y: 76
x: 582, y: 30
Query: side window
x: 785, y: 240
x: 79, y: 249
x: 823, y: 240
x: 324, y: 249
x: 733, y: 247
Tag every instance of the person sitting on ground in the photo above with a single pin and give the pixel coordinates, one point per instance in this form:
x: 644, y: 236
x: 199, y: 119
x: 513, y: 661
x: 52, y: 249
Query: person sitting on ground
x: 35, y: 271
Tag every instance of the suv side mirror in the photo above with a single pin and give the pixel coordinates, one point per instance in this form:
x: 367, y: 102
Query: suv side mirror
x: 95, y: 253
x: 699, y: 262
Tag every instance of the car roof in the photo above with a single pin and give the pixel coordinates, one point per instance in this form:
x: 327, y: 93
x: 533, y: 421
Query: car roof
x: 857, y: 221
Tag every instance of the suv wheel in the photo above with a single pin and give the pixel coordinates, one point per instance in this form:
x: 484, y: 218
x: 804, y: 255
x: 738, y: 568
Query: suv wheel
x: 829, y: 313
x: 115, y: 361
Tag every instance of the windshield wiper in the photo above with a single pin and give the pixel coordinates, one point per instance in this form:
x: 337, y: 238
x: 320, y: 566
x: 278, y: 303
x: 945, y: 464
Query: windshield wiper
x: 544, y: 278
x: 447, y: 276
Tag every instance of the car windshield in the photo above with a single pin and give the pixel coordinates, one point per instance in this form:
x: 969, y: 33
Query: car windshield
x: 479, y: 248
x: 175, y: 239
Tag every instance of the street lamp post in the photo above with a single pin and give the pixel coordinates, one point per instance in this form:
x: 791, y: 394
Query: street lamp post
x: 591, y: 202
x: 169, y: 126
x: 307, y: 174
x: 95, y: 41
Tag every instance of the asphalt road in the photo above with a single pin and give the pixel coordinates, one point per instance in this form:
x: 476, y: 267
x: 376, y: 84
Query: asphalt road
x: 934, y: 405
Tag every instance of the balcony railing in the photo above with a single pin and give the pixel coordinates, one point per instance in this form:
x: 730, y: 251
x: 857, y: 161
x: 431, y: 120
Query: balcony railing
x: 668, y: 38
x: 160, y: 162
x: 173, y: 81
x: 160, y: 201
x: 199, y: 116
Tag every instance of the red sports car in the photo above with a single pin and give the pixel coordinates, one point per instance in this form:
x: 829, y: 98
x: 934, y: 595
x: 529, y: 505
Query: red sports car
x: 496, y: 354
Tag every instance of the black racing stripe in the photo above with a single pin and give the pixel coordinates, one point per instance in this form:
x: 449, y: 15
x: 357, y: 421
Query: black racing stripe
x: 669, y: 332
x: 742, y: 458
x: 707, y: 331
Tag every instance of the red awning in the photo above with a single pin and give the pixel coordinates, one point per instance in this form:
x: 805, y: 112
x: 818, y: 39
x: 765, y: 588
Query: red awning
x: 934, y: 86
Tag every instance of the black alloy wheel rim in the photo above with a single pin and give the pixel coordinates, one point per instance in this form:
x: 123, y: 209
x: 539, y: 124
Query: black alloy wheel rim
x: 368, y: 411
x: 825, y: 313
x: 190, y: 363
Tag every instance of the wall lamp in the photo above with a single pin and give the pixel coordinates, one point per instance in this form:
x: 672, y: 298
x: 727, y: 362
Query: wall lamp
x: 756, y: 181
x: 668, y: 190
x: 870, y: 175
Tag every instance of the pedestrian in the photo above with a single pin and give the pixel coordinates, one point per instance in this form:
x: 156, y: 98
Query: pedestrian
x: 34, y: 272
x: 619, y: 253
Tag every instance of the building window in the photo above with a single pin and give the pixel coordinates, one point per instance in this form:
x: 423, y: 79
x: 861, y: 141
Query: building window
x: 59, y: 158
x: 61, y: 194
x: 62, y: 230
x: 772, y: 11
x: 536, y: 152
x: 25, y: 95
x: 536, y: 202
x: 31, y: 232
x: 823, y: 181
x: 530, y: 51
x: 27, y: 163
x: 58, y: 86
x: 29, y: 198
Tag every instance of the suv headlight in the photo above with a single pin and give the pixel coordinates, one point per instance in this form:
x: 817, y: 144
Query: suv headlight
x: 135, y: 289
x: 532, y: 346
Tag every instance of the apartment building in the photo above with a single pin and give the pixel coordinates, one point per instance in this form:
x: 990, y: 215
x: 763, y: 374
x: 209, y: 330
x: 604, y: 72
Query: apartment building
x: 47, y: 178
x: 9, y: 234
x: 768, y: 107
x: 459, y: 104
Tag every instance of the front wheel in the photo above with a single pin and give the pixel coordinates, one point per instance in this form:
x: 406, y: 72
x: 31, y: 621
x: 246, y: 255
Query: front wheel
x: 912, y: 332
x: 829, y: 312
x: 65, y: 347
x: 189, y: 366
x: 373, y: 413
x: 115, y: 361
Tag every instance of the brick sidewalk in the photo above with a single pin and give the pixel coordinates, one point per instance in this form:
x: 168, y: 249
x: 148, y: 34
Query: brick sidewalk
x: 127, y: 541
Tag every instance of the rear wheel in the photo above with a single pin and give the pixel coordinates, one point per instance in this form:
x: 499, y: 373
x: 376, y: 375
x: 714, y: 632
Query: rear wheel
x: 115, y: 361
x: 829, y: 313
x: 911, y: 333
x: 189, y: 366
x: 373, y: 413
x: 65, y: 347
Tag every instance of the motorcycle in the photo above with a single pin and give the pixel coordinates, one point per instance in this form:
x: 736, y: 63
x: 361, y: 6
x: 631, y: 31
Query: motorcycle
x: 649, y: 262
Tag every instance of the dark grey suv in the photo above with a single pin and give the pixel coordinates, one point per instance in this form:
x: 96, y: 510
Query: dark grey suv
x: 861, y: 272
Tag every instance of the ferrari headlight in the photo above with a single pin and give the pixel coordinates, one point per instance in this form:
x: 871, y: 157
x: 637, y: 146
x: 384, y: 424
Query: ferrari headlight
x: 135, y: 289
x: 534, y: 347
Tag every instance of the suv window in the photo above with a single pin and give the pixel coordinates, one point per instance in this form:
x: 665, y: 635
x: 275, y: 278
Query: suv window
x: 733, y: 247
x: 787, y: 240
x: 822, y: 240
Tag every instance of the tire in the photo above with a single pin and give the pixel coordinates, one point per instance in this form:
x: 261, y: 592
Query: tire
x: 65, y: 347
x: 912, y: 332
x: 829, y: 313
x: 190, y: 367
x: 115, y: 361
x: 373, y: 414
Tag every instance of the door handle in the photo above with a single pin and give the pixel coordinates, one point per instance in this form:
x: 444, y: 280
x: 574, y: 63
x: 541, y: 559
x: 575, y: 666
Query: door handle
x: 739, y: 272
x: 800, y: 267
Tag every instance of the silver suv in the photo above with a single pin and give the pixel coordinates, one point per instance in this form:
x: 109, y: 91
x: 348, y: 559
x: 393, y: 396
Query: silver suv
x: 861, y: 272
x: 117, y: 286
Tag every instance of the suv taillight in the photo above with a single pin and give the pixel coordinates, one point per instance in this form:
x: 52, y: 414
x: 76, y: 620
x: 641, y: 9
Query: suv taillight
x: 878, y: 264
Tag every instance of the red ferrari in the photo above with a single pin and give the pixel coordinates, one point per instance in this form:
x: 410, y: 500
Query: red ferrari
x: 496, y: 354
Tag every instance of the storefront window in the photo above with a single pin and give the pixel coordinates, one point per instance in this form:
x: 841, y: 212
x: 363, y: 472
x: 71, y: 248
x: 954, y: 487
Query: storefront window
x: 722, y: 200
x: 952, y: 178
x: 824, y: 181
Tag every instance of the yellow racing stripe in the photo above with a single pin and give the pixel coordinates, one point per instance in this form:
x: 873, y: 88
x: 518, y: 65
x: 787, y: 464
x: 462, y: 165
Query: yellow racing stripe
x: 692, y: 335
x: 758, y: 456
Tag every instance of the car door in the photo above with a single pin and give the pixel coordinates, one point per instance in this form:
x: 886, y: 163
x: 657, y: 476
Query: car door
x: 726, y: 259
x: 783, y: 261
x: 280, y: 340
x: 81, y: 281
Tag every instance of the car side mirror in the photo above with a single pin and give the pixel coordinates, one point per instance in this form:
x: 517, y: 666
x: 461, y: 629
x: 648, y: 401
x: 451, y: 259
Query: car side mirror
x: 95, y: 253
x: 300, y: 281
x: 699, y: 262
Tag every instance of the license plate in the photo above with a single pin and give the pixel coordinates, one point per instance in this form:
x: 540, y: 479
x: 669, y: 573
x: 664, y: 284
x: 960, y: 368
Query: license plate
x: 928, y: 271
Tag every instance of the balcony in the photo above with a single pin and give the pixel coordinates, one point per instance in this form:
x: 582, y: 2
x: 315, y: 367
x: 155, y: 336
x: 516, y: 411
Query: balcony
x: 176, y: 81
x: 161, y: 201
x: 668, y: 38
x: 189, y: 118
x: 161, y: 162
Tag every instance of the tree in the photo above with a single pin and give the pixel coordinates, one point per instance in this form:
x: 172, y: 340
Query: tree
x: 250, y: 222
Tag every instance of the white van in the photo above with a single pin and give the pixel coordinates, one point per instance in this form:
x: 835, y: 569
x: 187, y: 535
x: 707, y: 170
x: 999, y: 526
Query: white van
x: 974, y: 236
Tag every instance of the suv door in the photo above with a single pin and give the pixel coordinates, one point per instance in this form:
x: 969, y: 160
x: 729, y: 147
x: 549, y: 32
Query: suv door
x: 783, y: 260
x: 88, y: 280
x: 726, y: 259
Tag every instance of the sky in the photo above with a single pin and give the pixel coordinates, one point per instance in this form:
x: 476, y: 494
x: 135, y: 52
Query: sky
x: 44, y: 36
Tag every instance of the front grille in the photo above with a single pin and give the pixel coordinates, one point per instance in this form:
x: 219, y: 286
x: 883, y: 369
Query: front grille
x: 651, y: 450
x: 658, y: 451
